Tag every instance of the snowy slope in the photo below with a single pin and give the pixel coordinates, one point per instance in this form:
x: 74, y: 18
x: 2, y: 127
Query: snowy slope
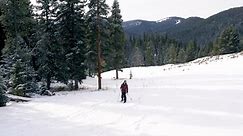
x: 200, y: 98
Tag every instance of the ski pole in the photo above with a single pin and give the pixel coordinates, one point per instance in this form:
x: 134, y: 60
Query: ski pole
x: 129, y: 96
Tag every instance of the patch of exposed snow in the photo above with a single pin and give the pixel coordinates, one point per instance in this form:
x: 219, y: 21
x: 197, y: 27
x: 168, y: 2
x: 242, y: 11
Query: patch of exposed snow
x: 178, y: 21
x: 161, y: 20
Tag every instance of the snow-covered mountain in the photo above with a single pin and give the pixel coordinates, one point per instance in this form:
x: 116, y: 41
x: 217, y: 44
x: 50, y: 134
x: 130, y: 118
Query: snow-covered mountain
x: 176, y: 20
x: 132, y: 23
x: 141, y: 26
x: 167, y: 20
x: 203, y: 31
x: 199, y: 98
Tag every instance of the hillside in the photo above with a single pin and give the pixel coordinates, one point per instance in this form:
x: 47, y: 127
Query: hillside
x: 201, y: 30
x: 138, y: 27
x: 199, y: 98
x: 229, y: 64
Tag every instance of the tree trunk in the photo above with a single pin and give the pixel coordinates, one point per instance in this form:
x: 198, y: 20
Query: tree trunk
x: 117, y: 74
x: 2, y: 38
x: 98, y: 50
x: 48, y: 82
x: 76, y: 85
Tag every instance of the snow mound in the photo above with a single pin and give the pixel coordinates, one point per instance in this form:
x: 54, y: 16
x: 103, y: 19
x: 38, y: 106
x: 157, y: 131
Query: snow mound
x: 228, y: 64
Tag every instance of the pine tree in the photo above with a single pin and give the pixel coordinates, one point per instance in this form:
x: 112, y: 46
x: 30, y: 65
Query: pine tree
x: 47, y: 50
x: 2, y: 33
x: 22, y: 73
x: 216, y: 48
x: 149, y: 54
x: 206, y: 50
x: 71, y: 29
x: 18, y: 23
x: 181, y: 57
x: 17, y: 18
x: 229, y: 41
x: 117, y: 38
x: 171, y: 54
x: 137, y: 57
x: 3, y: 98
x: 162, y: 50
x: 98, y: 34
x: 191, y: 51
x: 2, y: 38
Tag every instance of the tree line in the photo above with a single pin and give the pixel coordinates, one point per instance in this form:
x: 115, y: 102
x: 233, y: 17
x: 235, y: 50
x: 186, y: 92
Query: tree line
x: 58, y: 40
x: 158, y: 49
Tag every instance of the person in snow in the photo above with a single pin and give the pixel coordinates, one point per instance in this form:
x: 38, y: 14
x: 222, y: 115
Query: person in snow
x: 124, y: 91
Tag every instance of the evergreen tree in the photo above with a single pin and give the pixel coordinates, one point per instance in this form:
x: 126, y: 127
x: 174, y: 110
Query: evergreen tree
x: 229, y: 41
x: 98, y: 35
x: 171, y: 54
x: 149, y: 54
x: 191, y: 51
x: 206, y: 50
x: 117, y: 38
x: 216, y: 48
x: 128, y: 50
x: 2, y: 38
x: 3, y: 98
x: 162, y: 50
x: 47, y: 50
x: 137, y: 57
x: 22, y: 73
x: 2, y: 33
x: 181, y: 57
x: 138, y: 53
x: 71, y: 29
x: 18, y: 23
x: 17, y: 19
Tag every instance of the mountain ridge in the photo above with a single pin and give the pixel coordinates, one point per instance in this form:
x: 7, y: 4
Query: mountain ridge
x: 203, y: 31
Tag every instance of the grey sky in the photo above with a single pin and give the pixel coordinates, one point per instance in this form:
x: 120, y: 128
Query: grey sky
x: 158, y: 9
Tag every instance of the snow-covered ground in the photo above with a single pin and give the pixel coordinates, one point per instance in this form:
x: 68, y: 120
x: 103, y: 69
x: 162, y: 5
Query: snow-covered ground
x: 200, y: 98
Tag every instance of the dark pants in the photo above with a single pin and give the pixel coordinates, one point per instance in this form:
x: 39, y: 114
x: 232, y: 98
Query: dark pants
x: 123, y: 97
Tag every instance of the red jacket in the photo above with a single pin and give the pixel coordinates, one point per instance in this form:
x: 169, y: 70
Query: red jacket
x: 124, y: 88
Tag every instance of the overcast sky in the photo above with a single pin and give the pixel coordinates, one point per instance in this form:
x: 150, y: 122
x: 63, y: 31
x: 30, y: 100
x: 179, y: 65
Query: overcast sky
x: 158, y: 9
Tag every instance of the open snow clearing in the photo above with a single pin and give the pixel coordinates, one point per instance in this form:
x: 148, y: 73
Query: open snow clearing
x: 199, y: 98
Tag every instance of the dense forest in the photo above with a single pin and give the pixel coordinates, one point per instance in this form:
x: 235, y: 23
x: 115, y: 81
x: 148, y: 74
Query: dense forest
x: 157, y: 49
x: 57, y: 41
x: 61, y: 41
x: 178, y: 40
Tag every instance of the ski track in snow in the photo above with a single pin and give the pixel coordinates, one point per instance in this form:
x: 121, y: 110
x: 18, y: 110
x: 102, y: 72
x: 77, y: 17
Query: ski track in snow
x: 200, y: 98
